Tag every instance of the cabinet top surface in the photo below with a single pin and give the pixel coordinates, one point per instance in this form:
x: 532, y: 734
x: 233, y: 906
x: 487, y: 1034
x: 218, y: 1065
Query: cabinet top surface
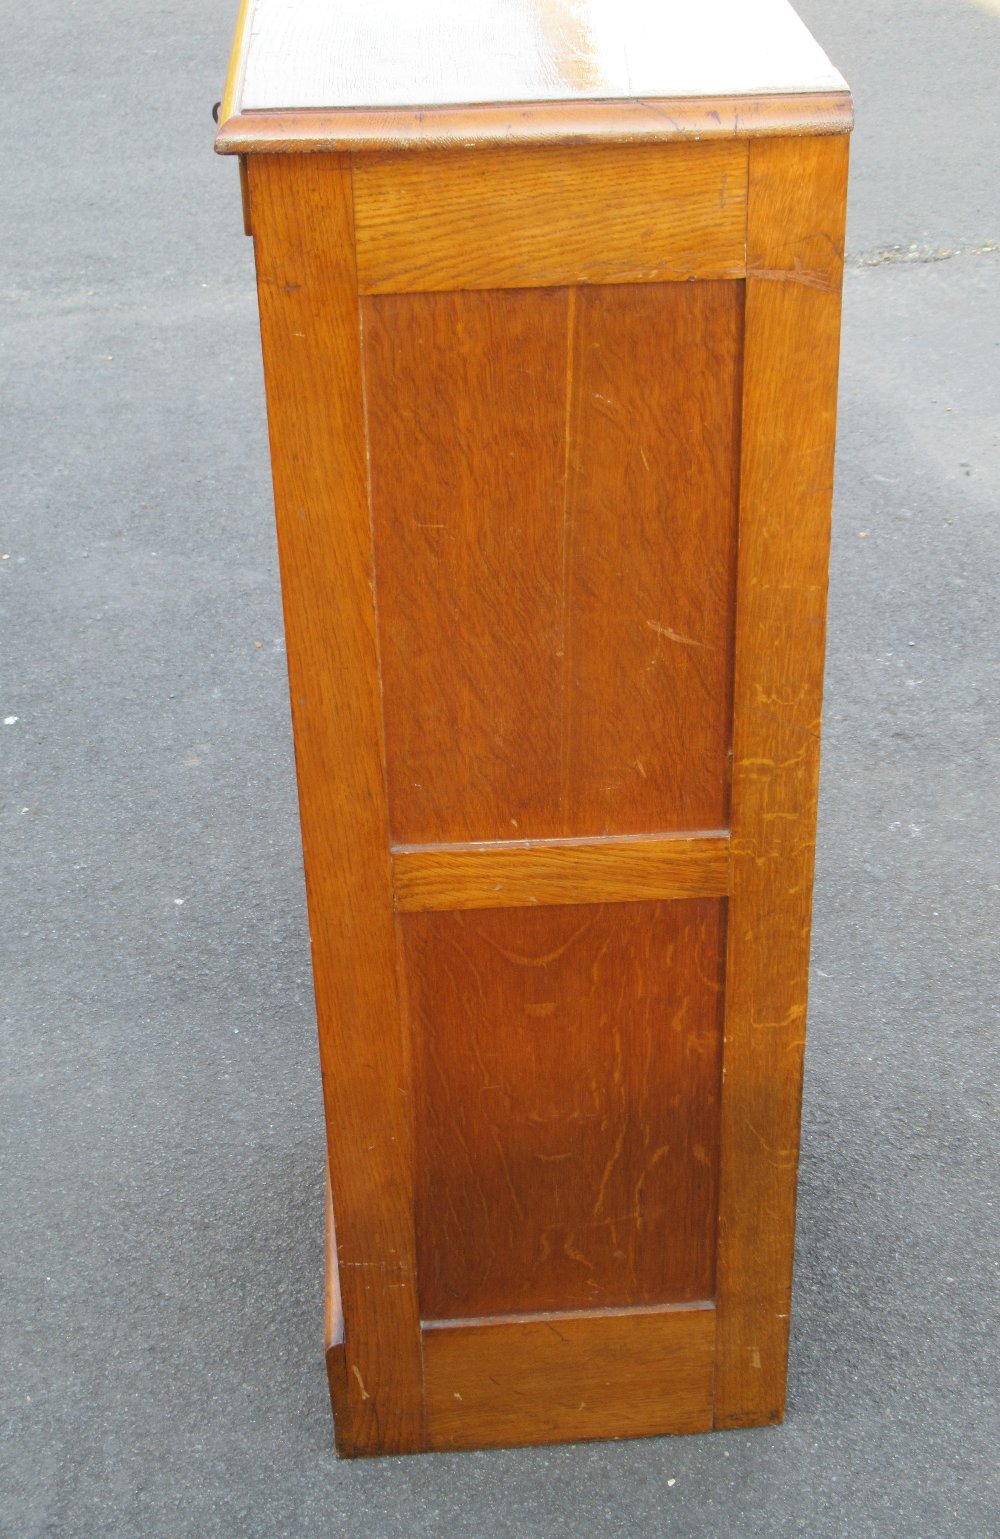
x: 336, y: 54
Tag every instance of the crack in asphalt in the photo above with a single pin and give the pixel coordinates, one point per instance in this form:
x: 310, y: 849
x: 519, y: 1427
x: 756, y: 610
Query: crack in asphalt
x: 887, y: 255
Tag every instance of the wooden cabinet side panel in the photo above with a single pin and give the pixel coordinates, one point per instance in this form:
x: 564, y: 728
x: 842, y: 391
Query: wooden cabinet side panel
x: 797, y: 195
x: 312, y: 366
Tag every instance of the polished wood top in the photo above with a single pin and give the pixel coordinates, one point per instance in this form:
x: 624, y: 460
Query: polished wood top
x: 387, y: 73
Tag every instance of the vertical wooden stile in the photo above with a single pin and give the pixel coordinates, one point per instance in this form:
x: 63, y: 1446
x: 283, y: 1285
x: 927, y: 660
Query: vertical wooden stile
x: 304, y: 245
x: 797, y: 193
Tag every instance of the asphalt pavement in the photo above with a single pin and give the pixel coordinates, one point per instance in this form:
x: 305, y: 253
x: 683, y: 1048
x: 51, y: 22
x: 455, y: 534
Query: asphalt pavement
x: 161, y: 1143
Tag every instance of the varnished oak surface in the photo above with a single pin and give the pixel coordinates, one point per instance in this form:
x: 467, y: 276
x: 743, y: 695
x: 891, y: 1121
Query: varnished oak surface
x: 795, y: 256
x: 554, y: 871
x: 546, y: 671
x: 307, y: 292
x: 405, y: 72
x: 505, y: 219
x: 537, y: 123
x: 569, y: 1377
x: 567, y: 1078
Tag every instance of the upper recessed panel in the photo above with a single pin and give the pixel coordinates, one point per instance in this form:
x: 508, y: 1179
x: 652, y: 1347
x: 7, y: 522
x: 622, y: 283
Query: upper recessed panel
x: 315, y: 54
x: 554, y: 502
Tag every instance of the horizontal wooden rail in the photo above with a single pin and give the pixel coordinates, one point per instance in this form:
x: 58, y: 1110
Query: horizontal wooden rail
x: 569, y: 1377
x: 469, y: 220
x: 519, y: 874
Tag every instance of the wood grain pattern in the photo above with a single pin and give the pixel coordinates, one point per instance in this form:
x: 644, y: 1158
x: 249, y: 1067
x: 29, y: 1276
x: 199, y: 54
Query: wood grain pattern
x: 554, y: 871
x: 494, y: 219
x: 312, y: 369
x: 567, y: 1088
x: 469, y: 392
x: 390, y: 53
x: 551, y: 1380
x: 797, y: 197
x: 536, y: 123
x: 649, y: 543
x: 553, y: 667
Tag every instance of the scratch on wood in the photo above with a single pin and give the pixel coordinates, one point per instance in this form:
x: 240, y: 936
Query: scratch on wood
x: 614, y: 1157
x: 572, y: 1251
x: 807, y: 278
x: 543, y: 961
x: 640, y: 1185
x: 796, y: 1013
x: 508, y: 1178
x: 671, y: 635
x: 776, y: 1154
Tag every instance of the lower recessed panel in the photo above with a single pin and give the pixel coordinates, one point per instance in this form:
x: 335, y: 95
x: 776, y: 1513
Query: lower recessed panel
x: 566, y: 1077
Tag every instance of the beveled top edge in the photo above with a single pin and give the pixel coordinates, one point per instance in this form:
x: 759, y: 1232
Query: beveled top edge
x: 395, y: 57
x: 536, y: 123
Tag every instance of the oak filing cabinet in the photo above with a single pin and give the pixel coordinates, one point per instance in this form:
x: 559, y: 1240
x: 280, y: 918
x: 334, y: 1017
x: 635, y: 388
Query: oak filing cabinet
x: 549, y: 296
